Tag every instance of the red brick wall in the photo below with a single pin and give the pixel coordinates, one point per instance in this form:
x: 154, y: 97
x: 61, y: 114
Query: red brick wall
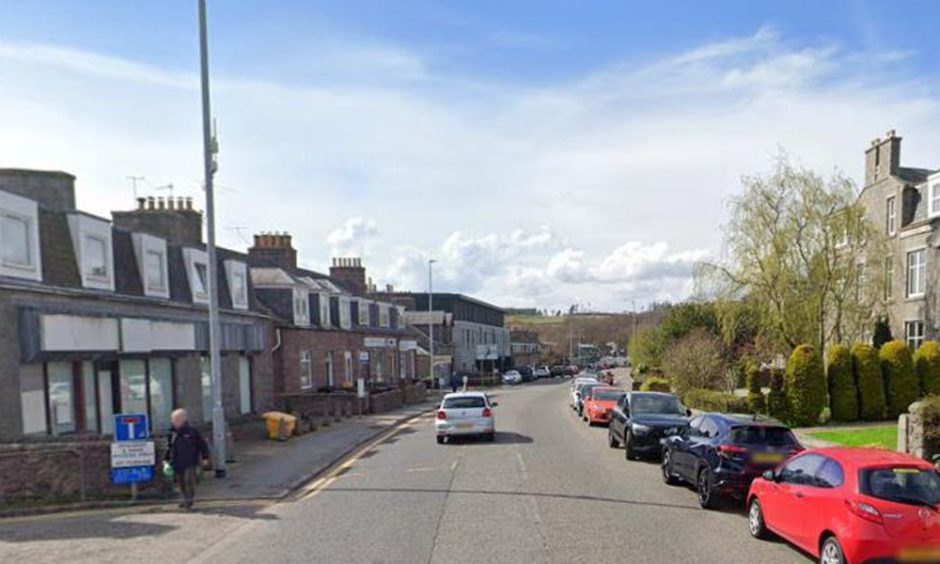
x: 293, y: 341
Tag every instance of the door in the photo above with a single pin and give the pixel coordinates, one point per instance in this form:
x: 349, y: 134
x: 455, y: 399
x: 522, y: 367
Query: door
x: 618, y: 417
x: 681, y: 457
x: 793, y: 504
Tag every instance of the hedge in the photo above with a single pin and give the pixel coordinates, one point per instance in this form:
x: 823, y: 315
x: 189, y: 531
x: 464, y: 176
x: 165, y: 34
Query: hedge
x: 843, y: 395
x: 656, y: 384
x: 900, y: 381
x: 866, y: 370
x: 755, y: 396
x: 777, y: 398
x: 710, y: 400
x: 927, y: 367
x: 805, y: 384
x: 931, y: 415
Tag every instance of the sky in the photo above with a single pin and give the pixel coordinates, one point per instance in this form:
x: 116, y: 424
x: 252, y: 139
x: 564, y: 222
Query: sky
x: 543, y: 153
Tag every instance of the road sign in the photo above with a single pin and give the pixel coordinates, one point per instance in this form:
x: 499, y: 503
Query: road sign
x: 131, y: 475
x: 131, y: 427
x: 132, y: 453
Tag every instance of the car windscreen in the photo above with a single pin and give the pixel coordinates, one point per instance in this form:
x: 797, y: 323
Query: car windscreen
x: 762, y: 435
x: 917, y: 486
x: 586, y: 387
x: 656, y: 404
x: 607, y: 395
x: 466, y: 402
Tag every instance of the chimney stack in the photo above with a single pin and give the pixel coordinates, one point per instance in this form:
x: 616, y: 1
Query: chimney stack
x: 351, y: 274
x: 883, y: 157
x: 273, y: 250
x: 156, y: 215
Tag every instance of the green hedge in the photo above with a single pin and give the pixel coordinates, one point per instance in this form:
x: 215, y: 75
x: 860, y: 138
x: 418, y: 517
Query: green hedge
x: 805, y: 385
x: 655, y: 384
x: 777, y: 398
x: 900, y: 381
x: 866, y: 370
x: 843, y: 395
x: 927, y: 367
x: 931, y: 415
x: 755, y: 395
x: 710, y: 400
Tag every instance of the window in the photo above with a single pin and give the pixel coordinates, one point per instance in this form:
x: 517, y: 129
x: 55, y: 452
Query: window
x: 155, y: 270
x: 244, y: 385
x: 891, y: 216
x: 914, y: 331
x: 95, y: 257
x: 709, y: 428
x: 347, y: 367
x: 935, y: 200
x: 889, y: 278
x: 133, y: 386
x: 916, y: 272
x: 801, y: 470
x: 89, y: 396
x: 236, y: 273
x: 830, y: 474
x: 239, y: 288
x: 15, y: 240
x: 328, y: 368
x: 200, y: 279
x: 206, y: 389
x: 61, y: 396
x: 161, y: 393
x: 301, y: 307
x: 306, y: 371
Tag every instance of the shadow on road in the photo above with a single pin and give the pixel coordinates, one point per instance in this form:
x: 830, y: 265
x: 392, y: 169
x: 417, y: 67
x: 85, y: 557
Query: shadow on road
x: 502, y: 438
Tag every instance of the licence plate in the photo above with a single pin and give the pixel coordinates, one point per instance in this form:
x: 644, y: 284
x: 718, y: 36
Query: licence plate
x: 766, y: 457
x: 464, y: 426
x: 925, y: 554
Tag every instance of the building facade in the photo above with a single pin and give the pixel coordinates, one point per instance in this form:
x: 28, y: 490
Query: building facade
x: 904, y: 202
x: 525, y: 347
x: 110, y: 316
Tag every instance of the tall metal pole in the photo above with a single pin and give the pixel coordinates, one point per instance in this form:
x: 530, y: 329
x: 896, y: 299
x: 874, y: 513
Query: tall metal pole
x: 431, y: 318
x: 209, y: 149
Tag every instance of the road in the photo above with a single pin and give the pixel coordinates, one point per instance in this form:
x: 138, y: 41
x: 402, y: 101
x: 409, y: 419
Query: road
x: 548, y: 490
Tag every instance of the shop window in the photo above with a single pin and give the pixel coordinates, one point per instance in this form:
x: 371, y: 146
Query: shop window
x: 133, y: 386
x: 61, y: 394
x: 244, y: 385
x: 89, y: 397
x: 206, y: 389
x: 161, y: 393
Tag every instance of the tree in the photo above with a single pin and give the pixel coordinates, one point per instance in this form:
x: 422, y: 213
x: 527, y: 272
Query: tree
x: 695, y: 361
x: 866, y: 369
x: 843, y: 395
x: 777, y: 397
x: 646, y: 348
x: 805, y: 386
x: 927, y: 367
x: 897, y: 369
x: 801, y: 249
x: 755, y: 395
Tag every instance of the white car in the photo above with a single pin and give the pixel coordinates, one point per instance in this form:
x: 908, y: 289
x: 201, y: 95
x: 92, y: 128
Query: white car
x: 543, y: 372
x: 465, y: 413
x: 512, y: 377
x: 574, y: 397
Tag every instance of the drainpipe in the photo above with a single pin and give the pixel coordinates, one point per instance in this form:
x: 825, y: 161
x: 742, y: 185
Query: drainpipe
x: 277, y: 335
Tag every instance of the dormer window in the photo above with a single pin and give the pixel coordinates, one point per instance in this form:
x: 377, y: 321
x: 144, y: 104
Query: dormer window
x: 301, y: 307
x: 151, y: 261
x: 95, y: 257
x: 201, y: 278
x: 363, y: 313
x: 934, y: 193
x: 19, y: 237
x: 384, y: 315
x: 325, y: 320
x: 237, y: 273
x: 91, y: 237
x: 154, y: 270
x: 197, y: 271
x: 15, y: 237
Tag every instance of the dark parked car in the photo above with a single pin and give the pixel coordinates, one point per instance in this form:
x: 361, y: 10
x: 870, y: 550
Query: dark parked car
x: 642, y: 419
x: 558, y: 370
x: 528, y: 374
x: 721, y: 454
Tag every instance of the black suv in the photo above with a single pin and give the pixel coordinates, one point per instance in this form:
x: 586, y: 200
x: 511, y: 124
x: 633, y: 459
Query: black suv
x: 721, y: 454
x: 642, y: 419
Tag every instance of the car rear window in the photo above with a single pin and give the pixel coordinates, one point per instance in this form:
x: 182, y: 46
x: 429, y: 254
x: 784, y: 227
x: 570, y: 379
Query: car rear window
x: 916, y: 486
x: 762, y: 435
x: 608, y: 395
x: 467, y: 402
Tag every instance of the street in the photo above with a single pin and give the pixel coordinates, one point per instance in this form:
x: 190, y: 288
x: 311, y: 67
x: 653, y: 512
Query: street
x: 548, y: 490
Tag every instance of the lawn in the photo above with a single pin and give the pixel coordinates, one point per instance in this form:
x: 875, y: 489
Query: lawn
x: 881, y: 435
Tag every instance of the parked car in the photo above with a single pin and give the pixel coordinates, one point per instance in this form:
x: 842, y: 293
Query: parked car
x: 512, y: 377
x: 577, y: 395
x: 721, y: 454
x: 851, y: 505
x: 599, y: 401
x: 558, y: 370
x: 542, y: 372
x: 528, y: 374
x: 641, y: 419
x: 466, y: 413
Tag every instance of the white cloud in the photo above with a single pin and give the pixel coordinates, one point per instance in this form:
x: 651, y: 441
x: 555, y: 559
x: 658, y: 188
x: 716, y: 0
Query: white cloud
x: 600, y: 188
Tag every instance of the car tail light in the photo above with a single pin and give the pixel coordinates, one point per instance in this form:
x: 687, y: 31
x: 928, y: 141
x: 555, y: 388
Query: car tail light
x: 731, y: 451
x: 486, y: 412
x: 864, y: 510
x: 441, y: 414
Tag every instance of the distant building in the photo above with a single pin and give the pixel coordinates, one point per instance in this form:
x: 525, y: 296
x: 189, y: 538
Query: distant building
x: 525, y: 347
x: 905, y: 203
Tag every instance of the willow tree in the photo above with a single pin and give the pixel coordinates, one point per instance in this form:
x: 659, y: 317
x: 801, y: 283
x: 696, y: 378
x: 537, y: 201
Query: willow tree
x: 801, y: 250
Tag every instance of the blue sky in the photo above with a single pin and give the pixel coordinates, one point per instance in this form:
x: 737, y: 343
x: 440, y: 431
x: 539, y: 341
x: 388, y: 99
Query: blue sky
x: 544, y: 152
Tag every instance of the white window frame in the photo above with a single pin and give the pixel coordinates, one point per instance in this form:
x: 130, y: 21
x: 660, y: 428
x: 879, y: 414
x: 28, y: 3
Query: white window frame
x: 25, y: 222
x: 889, y: 278
x: 364, y: 314
x: 921, y: 267
x: 23, y: 209
x: 306, y: 370
x: 301, y: 305
x: 914, y: 340
x: 233, y: 270
x: 192, y: 257
x: 145, y: 246
x: 933, y: 193
x: 324, y: 304
x: 385, y: 315
x: 345, y: 313
x: 328, y: 367
x: 891, y: 215
x: 84, y: 228
x: 347, y: 367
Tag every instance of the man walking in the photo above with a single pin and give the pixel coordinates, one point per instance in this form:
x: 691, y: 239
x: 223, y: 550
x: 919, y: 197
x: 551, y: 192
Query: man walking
x: 186, y: 450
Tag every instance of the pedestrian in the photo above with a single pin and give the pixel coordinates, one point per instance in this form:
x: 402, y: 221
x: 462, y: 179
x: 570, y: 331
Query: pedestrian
x: 186, y: 451
x: 454, y: 383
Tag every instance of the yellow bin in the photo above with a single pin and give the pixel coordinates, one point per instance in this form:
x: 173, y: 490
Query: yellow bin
x: 280, y: 425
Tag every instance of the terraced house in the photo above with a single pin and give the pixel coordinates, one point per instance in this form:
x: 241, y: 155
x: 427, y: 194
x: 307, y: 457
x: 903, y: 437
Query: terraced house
x: 905, y: 203
x: 107, y: 316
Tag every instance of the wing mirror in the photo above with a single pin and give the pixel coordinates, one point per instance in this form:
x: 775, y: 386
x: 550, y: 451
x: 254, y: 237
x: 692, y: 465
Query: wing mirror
x: 494, y: 403
x: 688, y: 412
x: 769, y: 475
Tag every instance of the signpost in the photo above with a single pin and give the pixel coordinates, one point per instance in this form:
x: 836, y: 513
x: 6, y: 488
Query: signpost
x: 132, y: 452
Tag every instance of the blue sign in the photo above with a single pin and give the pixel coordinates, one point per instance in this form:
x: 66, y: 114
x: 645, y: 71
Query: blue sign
x: 131, y: 475
x: 131, y: 427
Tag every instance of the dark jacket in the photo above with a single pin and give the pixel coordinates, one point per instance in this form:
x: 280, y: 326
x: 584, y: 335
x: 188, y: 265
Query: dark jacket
x: 185, y: 448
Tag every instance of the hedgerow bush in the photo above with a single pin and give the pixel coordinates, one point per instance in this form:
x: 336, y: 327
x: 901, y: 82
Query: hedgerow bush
x: 777, y: 397
x: 755, y: 395
x: 710, y: 400
x: 931, y: 415
x: 927, y: 367
x: 655, y: 384
x: 866, y: 369
x: 805, y: 386
x: 843, y: 395
x: 900, y: 381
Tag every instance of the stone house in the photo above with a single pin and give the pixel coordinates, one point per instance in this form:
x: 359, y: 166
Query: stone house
x: 905, y: 203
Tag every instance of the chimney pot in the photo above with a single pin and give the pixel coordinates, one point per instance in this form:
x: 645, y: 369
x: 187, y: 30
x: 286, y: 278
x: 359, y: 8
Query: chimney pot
x: 180, y: 203
x: 170, y: 205
x: 189, y: 203
x: 161, y: 204
x: 150, y: 203
x: 141, y: 203
x: 891, y: 134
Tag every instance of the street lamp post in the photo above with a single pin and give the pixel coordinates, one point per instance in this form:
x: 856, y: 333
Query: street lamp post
x: 431, y: 318
x: 210, y: 148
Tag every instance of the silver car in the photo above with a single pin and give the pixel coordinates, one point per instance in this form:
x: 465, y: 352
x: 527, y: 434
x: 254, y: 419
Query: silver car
x: 466, y: 413
x: 574, y: 396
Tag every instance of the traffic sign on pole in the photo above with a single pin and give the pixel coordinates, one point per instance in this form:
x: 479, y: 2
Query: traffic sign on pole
x: 131, y: 427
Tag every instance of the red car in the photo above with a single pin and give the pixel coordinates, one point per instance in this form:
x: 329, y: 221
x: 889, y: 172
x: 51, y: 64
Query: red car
x: 854, y: 505
x: 599, y: 402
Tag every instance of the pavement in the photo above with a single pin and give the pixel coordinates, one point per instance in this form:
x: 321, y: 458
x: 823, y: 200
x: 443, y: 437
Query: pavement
x: 548, y: 490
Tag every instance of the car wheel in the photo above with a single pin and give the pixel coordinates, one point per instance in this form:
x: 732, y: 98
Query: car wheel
x: 831, y: 552
x: 706, y: 495
x: 440, y: 439
x: 755, y: 520
x: 612, y: 441
x: 669, y: 478
x: 628, y: 446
